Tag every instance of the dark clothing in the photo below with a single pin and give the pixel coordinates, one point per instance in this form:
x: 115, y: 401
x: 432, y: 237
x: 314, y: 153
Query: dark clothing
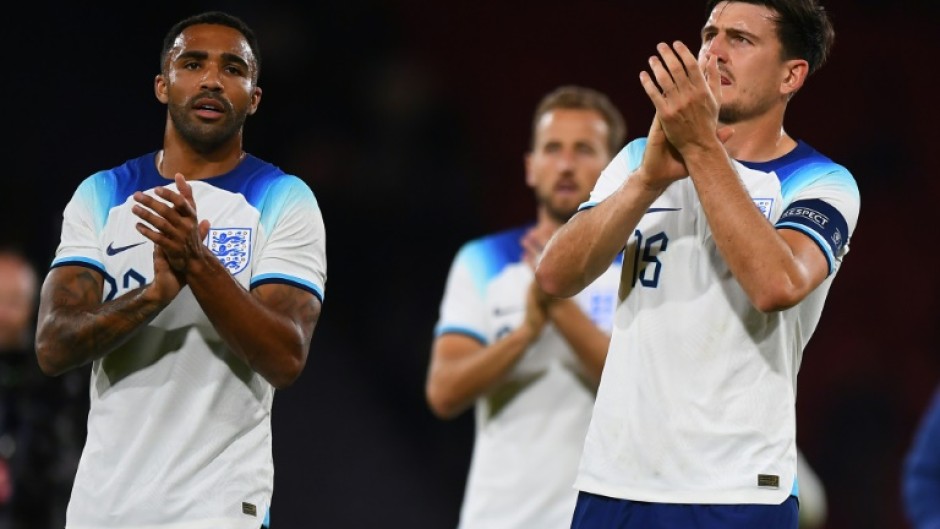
x: 600, y: 512
x: 42, y: 428
x: 922, y: 471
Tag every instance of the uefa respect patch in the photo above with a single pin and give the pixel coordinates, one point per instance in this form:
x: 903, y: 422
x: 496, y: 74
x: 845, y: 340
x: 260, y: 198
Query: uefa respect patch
x: 820, y: 220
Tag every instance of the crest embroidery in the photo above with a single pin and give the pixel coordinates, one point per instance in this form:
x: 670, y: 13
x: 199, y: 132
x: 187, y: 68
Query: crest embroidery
x: 765, y: 205
x: 232, y: 246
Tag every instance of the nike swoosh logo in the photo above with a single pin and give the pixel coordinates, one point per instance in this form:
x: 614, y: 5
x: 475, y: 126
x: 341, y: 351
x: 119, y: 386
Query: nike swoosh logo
x: 658, y: 210
x: 111, y: 250
x: 502, y: 311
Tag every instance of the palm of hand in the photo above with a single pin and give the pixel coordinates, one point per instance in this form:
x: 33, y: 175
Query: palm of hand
x: 661, y: 159
x: 167, y: 281
x: 535, y: 312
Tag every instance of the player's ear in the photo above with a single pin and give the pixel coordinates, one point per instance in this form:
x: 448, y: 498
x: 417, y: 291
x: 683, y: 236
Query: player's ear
x: 529, y: 177
x: 795, y: 72
x: 159, y: 88
x: 255, y: 100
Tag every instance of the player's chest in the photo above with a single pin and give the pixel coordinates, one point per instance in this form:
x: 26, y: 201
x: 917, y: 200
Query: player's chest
x: 234, y: 237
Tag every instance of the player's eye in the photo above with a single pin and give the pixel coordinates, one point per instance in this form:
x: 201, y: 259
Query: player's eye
x: 235, y: 70
x: 583, y: 148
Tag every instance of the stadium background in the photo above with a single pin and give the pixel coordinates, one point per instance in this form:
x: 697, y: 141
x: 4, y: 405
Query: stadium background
x: 409, y: 119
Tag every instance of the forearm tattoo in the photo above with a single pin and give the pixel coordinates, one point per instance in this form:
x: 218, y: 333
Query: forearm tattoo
x: 91, y: 329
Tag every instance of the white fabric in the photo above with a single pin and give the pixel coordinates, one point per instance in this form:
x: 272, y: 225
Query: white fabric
x: 697, y: 398
x: 528, y: 442
x: 179, y: 432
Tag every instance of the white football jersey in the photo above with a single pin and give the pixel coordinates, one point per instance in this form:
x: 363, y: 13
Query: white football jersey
x: 697, y: 399
x: 179, y: 429
x: 530, y: 430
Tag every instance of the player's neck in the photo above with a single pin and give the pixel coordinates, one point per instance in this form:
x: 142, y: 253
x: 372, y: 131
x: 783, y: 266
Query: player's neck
x: 545, y: 220
x: 174, y: 158
x: 759, y: 142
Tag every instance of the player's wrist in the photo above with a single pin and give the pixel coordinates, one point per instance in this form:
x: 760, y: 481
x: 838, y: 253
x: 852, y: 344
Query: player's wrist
x: 155, y: 296
x: 697, y: 152
x: 646, y: 185
x: 201, y: 263
x: 529, y: 331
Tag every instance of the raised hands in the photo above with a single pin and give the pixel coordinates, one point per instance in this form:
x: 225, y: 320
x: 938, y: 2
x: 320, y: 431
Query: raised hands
x: 686, y: 98
x: 662, y: 164
x: 176, y: 232
x: 533, y: 242
x: 537, y: 301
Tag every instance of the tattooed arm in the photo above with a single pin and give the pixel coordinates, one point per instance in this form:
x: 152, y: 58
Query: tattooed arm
x: 74, y: 327
x: 269, y: 328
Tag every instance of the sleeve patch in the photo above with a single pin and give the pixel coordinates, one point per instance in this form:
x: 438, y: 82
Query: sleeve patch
x: 820, y: 219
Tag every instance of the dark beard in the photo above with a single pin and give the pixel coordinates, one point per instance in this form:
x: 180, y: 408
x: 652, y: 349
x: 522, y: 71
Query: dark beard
x: 729, y: 115
x: 201, y: 137
x: 558, y: 215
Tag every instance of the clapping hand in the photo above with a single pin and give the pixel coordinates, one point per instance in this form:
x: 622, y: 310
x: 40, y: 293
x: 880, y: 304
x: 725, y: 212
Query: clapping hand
x: 170, y: 222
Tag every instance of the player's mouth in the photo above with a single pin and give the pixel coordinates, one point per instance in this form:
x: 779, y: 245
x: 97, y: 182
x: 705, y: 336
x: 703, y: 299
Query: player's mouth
x: 725, y: 79
x: 567, y: 188
x: 209, y: 108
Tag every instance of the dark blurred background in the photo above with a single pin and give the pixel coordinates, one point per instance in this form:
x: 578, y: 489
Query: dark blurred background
x: 409, y: 119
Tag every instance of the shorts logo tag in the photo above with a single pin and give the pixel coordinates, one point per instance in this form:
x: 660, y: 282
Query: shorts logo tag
x: 768, y: 480
x: 249, y: 509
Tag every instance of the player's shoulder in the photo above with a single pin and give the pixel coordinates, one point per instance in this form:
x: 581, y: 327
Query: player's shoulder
x: 131, y: 168
x: 631, y: 154
x: 507, y: 237
x: 503, y: 245
x: 264, y: 173
x: 120, y: 181
x: 263, y: 181
x: 803, y: 162
x: 806, y: 166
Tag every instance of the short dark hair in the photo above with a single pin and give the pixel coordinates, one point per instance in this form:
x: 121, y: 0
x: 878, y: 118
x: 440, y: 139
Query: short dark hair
x: 803, y: 28
x: 581, y: 98
x: 217, y: 18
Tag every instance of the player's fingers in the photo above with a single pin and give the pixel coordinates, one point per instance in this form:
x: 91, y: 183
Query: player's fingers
x: 675, y: 67
x: 713, y: 76
x: 175, y: 199
x: 532, y: 244
x: 724, y: 133
x: 652, y: 91
x: 166, y: 217
x: 186, y: 190
x: 689, y: 63
x: 157, y: 222
x: 203, y: 229
x: 664, y: 79
x: 157, y: 238
x: 154, y: 204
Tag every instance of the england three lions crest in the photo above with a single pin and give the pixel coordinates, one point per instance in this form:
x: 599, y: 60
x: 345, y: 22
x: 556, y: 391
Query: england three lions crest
x: 232, y: 246
x: 765, y: 205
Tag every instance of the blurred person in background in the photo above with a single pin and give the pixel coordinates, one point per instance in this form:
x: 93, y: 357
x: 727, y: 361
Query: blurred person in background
x: 814, y: 503
x: 42, y: 420
x: 18, y: 296
x: 527, y: 362
x: 921, y: 472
